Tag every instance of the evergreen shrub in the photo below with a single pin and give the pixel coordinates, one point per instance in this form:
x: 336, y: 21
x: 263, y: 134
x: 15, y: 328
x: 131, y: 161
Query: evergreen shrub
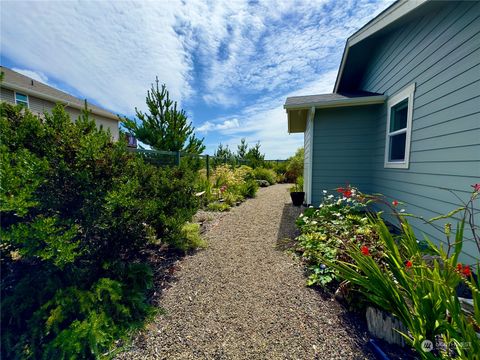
x: 76, y: 210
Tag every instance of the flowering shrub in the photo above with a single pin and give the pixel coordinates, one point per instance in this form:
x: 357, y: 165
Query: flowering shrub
x: 224, y: 175
x: 227, y: 186
x: 419, y: 290
x: 265, y: 174
x: 327, y: 231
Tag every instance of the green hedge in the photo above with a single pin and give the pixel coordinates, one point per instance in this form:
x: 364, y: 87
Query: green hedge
x: 265, y: 174
x: 76, y: 209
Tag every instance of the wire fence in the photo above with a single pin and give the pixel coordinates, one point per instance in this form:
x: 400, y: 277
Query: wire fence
x: 197, y: 161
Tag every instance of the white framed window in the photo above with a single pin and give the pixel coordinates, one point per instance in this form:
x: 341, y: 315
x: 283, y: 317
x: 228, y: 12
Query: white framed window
x: 399, y: 128
x: 21, y: 99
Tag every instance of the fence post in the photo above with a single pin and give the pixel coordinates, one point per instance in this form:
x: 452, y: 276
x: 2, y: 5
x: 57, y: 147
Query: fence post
x: 177, y: 158
x: 208, y: 166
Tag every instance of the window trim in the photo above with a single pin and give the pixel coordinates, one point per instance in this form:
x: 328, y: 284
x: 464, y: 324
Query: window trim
x: 15, y: 98
x: 406, y: 93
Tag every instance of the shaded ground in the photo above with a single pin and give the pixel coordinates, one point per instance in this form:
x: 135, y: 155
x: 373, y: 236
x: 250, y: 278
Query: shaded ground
x: 244, y: 298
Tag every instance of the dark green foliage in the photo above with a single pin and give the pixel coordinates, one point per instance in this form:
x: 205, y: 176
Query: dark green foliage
x: 294, y: 167
x: 223, y: 152
x: 249, y: 188
x: 76, y: 209
x: 164, y: 127
x: 242, y: 149
x: 265, y: 174
x: 329, y: 229
x: 222, y: 155
x: 254, y: 157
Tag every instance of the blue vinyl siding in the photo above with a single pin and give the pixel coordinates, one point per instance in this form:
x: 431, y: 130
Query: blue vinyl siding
x: 441, y: 54
x: 342, y: 149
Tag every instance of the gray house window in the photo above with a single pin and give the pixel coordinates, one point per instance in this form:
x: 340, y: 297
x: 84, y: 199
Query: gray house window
x: 21, y: 99
x: 399, y: 128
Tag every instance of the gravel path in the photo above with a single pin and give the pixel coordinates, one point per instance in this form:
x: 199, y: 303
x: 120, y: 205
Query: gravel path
x: 243, y: 298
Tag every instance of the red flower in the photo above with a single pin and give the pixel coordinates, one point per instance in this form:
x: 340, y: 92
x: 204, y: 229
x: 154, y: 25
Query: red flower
x: 476, y: 187
x: 466, y: 271
x: 346, y: 191
x: 408, y: 264
x: 394, y: 202
x: 365, y: 250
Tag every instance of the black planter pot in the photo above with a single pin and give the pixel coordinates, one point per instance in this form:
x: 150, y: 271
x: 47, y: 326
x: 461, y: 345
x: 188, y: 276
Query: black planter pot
x: 297, y: 197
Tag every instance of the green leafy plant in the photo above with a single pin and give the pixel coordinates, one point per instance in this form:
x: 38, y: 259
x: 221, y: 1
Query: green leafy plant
x: 265, y: 174
x: 76, y: 210
x: 227, y: 186
x: 298, y: 187
x: 217, y: 206
x: 191, y: 238
x: 249, y: 189
x: 340, y: 220
x: 294, y: 166
x: 419, y: 291
x: 315, y: 247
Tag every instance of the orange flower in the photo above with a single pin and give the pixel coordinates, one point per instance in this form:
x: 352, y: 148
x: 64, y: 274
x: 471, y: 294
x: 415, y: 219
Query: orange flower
x: 459, y: 267
x: 365, y: 250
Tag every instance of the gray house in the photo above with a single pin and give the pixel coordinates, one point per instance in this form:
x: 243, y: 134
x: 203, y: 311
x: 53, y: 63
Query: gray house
x: 20, y: 89
x: 404, y: 117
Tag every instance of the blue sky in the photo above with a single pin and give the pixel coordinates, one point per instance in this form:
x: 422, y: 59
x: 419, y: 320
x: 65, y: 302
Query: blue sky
x: 230, y: 64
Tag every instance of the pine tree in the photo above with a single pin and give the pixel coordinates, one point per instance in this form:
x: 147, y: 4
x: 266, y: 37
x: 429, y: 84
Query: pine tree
x: 242, y: 149
x: 254, y: 156
x: 164, y: 126
x: 223, y: 152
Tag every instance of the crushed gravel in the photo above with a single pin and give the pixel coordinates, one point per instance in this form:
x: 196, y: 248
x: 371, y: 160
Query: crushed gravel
x: 245, y: 298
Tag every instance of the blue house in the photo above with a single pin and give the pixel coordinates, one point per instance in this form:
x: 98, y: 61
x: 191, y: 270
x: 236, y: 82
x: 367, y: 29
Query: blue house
x: 404, y: 116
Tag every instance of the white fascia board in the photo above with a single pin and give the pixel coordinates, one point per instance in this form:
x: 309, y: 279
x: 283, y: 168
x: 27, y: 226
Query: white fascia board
x: 390, y: 15
x: 366, y: 100
x: 54, y: 99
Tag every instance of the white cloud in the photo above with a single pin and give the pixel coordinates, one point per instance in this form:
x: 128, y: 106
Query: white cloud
x: 225, y: 125
x: 108, y: 51
x: 267, y: 122
x: 111, y: 51
x: 222, y: 53
x: 271, y: 47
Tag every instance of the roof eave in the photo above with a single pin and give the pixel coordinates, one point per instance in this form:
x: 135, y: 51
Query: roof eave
x: 55, y: 99
x: 391, y: 14
x: 365, y: 100
x: 311, y: 107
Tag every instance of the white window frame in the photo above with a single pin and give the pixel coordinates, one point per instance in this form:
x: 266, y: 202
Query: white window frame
x: 406, y: 93
x: 15, y: 98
